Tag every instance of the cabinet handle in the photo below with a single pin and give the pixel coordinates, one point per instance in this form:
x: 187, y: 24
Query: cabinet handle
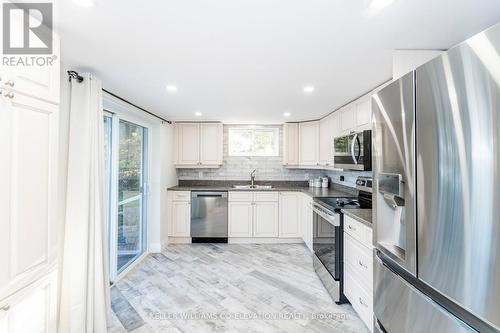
x: 350, y: 227
x: 361, y: 264
x: 362, y: 303
x: 5, y: 308
x: 9, y: 83
x: 10, y: 95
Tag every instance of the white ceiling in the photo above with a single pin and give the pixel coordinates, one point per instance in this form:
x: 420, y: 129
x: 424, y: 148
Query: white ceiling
x: 244, y: 61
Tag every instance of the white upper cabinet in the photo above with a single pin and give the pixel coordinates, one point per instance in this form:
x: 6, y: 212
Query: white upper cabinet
x: 363, y: 114
x: 211, y: 144
x: 348, y: 119
x: 326, y: 136
x: 309, y: 143
x: 290, y: 144
x: 198, y: 145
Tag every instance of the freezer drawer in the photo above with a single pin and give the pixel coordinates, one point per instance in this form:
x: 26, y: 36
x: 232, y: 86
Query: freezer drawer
x: 401, y: 308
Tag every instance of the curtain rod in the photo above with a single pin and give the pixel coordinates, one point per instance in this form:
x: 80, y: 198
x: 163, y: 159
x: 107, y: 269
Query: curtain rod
x: 79, y: 78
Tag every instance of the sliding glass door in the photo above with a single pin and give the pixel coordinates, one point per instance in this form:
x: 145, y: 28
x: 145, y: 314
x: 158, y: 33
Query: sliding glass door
x: 126, y: 145
x: 132, y: 176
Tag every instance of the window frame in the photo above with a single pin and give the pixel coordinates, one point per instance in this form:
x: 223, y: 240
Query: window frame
x: 253, y: 152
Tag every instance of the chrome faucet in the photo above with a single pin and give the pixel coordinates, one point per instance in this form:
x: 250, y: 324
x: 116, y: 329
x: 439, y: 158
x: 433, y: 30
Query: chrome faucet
x: 252, y: 177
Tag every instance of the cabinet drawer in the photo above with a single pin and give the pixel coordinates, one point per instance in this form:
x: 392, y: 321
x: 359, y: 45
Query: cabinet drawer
x: 361, y: 300
x: 266, y: 196
x: 360, y: 260
x: 358, y: 230
x: 181, y: 196
x: 240, y: 196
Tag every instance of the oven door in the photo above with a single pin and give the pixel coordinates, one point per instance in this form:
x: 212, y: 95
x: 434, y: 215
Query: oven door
x: 326, y: 240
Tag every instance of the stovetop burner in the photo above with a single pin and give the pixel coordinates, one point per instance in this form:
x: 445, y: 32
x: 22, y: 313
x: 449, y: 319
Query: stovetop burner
x: 338, y: 203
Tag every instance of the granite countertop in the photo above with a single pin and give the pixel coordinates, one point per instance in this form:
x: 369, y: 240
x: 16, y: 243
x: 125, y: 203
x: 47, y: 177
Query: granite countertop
x: 362, y: 215
x: 315, y: 192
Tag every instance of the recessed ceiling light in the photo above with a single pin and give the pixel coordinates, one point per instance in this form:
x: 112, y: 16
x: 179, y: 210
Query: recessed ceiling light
x: 84, y: 3
x: 287, y: 114
x: 378, y: 4
x: 308, y: 89
x: 198, y: 114
x: 171, y: 88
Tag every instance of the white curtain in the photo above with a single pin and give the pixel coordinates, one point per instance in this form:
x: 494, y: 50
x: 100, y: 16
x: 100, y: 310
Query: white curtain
x: 85, y: 301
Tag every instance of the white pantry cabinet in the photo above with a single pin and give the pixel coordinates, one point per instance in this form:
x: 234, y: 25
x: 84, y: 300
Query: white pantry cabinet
x: 309, y: 143
x: 198, y: 145
x: 291, y: 144
x: 358, y: 268
x: 29, y: 137
x: 289, y: 216
x: 180, y: 210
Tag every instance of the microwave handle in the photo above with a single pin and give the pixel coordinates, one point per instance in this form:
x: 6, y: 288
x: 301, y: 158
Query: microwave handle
x: 359, y: 148
x: 352, y: 148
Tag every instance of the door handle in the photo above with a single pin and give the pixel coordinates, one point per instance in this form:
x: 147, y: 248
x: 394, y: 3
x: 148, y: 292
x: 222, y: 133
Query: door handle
x: 352, y: 148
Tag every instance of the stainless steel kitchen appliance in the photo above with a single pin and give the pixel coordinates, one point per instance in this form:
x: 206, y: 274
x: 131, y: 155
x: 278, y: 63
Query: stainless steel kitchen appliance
x: 328, y: 237
x: 437, y: 186
x: 353, y: 151
x: 209, y: 217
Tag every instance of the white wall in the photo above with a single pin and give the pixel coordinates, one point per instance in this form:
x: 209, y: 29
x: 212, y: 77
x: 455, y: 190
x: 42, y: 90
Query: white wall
x: 404, y: 61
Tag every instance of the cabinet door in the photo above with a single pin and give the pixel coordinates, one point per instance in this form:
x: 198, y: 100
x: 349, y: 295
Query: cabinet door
x: 326, y: 136
x: 240, y: 219
x: 289, y: 217
x: 348, y: 119
x: 28, y: 200
x: 188, y: 143
x: 211, y: 144
x: 363, y: 114
x: 265, y: 219
x: 307, y: 221
x: 308, y: 143
x: 32, y: 309
x: 41, y: 82
x: 181, y: 219
x: 291, y: 144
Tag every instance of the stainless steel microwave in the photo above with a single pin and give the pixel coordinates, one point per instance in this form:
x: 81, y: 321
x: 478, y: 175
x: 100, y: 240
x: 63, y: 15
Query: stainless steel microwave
x: 353, y: 151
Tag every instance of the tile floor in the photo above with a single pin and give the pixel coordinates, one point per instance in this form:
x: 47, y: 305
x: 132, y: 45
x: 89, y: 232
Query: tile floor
x: 228, y: 288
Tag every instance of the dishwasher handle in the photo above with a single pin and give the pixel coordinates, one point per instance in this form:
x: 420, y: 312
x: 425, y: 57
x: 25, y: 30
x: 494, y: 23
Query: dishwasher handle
x: 209, y: 195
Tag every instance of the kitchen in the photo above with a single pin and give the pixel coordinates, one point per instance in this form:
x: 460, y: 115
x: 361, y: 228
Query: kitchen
x: 295, y: 168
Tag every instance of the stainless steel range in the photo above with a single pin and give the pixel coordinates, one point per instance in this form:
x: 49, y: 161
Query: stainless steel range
x: 328, y: 236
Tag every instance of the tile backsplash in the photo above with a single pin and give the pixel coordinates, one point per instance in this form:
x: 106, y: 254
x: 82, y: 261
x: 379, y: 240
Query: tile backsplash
x: 268, y: 168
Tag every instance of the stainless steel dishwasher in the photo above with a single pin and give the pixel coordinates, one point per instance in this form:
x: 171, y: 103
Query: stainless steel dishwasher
x: 209, y: 217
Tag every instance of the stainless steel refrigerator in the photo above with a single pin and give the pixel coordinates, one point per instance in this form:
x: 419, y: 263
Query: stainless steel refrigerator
x: 437, y: 194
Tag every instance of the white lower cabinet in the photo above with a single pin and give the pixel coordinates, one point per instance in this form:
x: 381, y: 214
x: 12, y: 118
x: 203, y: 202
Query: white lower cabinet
x: 180, y: 218
x: 240, y: 219
x: 358, y: 269
x: 289, y: 216
x: 307, y: 220
x: 257, y: 216
x: 265, y: 216
x: 32, y: 309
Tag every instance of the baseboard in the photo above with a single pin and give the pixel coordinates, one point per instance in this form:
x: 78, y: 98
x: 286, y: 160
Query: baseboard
x: 264, y: 240
x: 155, y: 248
x: 179, y: 240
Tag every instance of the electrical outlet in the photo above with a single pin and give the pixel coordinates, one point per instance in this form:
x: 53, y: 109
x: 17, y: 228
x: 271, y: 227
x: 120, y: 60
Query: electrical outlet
x: 200, y: 174
x: 306, y: 176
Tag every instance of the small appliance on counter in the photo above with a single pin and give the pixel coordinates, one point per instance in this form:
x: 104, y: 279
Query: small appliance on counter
x: 328, y: 242
x: 324, y: 182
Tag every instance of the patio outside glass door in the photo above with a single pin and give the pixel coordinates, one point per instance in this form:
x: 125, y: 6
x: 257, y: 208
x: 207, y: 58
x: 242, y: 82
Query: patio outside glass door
x: 126, y: 148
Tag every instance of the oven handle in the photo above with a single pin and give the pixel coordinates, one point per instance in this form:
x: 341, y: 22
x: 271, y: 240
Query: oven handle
x: 332, y: 219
